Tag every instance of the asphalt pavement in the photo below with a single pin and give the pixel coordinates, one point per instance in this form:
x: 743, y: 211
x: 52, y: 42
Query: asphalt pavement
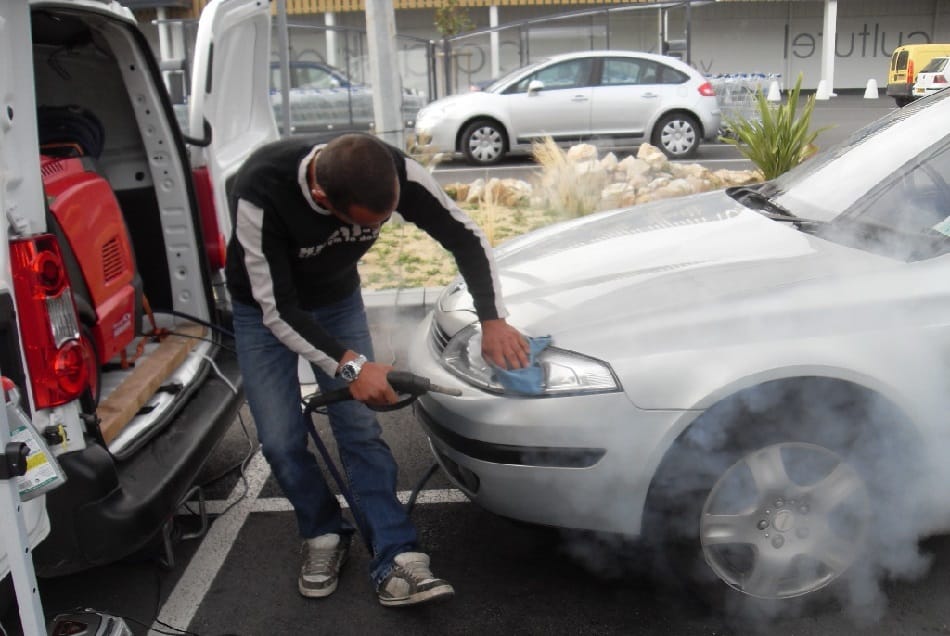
x: 239, y: 575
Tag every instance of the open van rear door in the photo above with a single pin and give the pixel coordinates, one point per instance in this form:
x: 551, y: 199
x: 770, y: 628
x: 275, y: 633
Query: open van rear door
x: 230, y: 91
x: 22, y: 204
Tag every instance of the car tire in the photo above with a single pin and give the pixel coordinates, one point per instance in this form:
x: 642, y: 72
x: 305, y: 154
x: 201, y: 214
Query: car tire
x: 902, y: 101
x: 677, y: 135
x: 484, y: 142
x: 761, y: 509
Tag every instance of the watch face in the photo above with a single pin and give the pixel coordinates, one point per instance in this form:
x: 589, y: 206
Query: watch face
x: 351, y: 370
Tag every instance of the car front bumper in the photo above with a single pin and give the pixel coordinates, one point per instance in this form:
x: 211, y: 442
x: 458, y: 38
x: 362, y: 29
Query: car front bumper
x: 583, y: 462
x: 437, y: 133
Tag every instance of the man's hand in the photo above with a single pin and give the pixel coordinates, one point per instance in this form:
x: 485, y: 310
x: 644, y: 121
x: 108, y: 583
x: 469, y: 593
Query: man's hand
x: 504, y: 345
x: 371, y: 386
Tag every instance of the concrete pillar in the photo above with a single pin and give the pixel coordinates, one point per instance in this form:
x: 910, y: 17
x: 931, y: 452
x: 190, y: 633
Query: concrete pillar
x: 384, y: 71
x: 329, y: 19
x: 493, y: 39
x: 283, y: 54
x: 171, y: 55
x: 830, y: 32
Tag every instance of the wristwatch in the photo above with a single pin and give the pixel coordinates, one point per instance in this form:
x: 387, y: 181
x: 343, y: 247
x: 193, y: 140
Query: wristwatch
x: 349, y: 371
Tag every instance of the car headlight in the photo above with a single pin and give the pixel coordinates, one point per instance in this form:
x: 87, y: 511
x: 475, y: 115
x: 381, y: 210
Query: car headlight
x: 435, y: 112
x: 565, y: 372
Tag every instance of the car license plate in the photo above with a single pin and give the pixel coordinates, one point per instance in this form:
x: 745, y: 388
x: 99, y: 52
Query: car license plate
x: 918, y: 91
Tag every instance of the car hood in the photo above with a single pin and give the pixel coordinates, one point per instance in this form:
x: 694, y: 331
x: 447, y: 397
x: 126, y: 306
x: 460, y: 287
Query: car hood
x: 682, y: 261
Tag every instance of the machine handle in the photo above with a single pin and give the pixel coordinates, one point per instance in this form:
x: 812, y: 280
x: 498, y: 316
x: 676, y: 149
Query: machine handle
x: 403, y: 382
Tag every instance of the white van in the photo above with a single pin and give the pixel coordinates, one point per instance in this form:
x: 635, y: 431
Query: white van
x: 113, y: 321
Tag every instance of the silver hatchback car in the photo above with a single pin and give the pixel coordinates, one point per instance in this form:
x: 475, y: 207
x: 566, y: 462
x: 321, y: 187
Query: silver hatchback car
x: 622, y: 97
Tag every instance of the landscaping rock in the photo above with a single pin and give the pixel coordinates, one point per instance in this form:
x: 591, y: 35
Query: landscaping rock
x: 647, y: 177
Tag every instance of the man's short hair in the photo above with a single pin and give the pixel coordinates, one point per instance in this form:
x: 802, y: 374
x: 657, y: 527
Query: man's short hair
x: 357, y: 169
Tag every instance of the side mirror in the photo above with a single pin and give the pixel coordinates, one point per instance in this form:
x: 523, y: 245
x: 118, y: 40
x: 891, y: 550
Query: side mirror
x: 535, y: 85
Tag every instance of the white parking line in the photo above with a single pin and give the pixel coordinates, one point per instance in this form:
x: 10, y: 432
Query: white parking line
x: 280, y: 504
x: 183, y: 602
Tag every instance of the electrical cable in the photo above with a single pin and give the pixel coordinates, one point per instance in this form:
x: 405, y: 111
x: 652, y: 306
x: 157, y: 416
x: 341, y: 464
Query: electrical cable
x: 91, y: 611
x: 252, y: 450
x: 210, y: 325
x: 204, y: 338
x: 221, y: 376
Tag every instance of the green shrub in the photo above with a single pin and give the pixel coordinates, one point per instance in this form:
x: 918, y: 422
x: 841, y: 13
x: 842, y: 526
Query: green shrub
x: 778, y: 139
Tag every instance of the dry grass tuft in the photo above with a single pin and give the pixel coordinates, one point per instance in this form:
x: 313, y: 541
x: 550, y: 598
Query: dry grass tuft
x: 565, y: 185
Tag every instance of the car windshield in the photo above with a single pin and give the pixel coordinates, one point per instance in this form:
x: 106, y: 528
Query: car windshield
x: 891, y: 175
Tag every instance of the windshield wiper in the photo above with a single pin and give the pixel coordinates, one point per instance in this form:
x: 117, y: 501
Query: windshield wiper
x: 753, y: 198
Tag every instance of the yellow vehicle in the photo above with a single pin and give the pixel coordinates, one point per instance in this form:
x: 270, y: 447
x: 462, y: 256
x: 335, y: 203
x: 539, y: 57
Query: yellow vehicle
x: 906, y: 62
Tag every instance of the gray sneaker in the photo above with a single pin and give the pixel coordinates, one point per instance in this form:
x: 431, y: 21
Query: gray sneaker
x: 323, y: 557
x: 411, y: 582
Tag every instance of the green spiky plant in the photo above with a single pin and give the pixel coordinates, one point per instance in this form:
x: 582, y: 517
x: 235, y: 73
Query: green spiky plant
x: 780, y: 137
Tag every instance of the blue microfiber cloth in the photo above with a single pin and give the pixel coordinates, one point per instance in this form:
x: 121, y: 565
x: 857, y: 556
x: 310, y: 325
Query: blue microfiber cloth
x: 530, y: 379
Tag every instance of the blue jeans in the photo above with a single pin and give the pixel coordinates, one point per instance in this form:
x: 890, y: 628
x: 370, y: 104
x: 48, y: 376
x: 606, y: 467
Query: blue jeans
x: 273, y: 392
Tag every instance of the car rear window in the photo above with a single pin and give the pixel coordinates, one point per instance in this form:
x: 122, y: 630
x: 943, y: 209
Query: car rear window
x: 670, y: 75
x: 935, y: 65
x: 900, y: 61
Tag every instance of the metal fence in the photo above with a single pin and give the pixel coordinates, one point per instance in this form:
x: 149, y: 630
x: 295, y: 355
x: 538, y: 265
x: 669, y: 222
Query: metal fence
x: 430, y: 69
x: 478, y: 56
x: 329, y: 70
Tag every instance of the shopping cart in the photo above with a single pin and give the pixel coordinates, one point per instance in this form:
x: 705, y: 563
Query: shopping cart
x: 737, y: 94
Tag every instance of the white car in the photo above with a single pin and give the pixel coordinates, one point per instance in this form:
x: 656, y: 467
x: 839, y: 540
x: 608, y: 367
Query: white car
x: 759, y: 373
x: 620, y: 96
x: 932, y: 77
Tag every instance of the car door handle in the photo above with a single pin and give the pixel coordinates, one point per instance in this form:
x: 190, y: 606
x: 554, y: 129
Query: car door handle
x: 650, y: 95
x: 579, y: 98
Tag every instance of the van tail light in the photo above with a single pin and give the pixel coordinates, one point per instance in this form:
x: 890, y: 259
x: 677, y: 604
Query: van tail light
x: 940, y: 78
x: 57, y: 361
x: 214, y: 241
x: 910, y: 72
x: 706, y: 90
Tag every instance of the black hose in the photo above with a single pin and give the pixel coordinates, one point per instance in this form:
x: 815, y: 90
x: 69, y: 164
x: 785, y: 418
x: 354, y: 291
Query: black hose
x: 422, y: 482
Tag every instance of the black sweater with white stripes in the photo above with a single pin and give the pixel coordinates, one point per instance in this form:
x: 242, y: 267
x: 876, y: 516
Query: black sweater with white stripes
x: 287, y: 254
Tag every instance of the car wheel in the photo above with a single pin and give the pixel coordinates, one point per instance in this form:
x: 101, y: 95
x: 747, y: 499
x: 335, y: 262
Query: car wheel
x: 677, y: 135
x: 768, y: 512
x: 902, y: 101
x: 484, y: 142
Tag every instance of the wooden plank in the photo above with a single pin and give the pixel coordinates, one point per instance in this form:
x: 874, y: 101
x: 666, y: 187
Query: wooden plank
x: 117, y: 410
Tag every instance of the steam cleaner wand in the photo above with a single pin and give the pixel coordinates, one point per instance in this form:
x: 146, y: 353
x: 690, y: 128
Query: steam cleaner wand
x: 404, y: 383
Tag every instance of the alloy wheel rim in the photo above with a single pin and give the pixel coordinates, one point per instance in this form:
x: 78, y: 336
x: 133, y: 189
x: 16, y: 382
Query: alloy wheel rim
x: 798, y: 525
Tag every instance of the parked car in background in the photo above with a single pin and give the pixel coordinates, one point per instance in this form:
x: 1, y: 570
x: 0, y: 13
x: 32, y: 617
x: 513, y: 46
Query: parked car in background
x: 757, y: 374
x: 615, y: 96
x: 933, y: 77
x: 906, y: 62
x: 322, y: 98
